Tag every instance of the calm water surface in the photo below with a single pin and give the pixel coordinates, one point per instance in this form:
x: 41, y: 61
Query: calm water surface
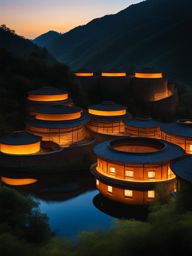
x: 73, y: 205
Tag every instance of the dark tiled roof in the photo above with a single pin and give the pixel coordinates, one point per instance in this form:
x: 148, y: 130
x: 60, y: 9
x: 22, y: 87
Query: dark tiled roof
x: 142, y: 123
x: 109, y: 118
x: 177, y: 129
x: 108, y: 106
x: 168, y: 152
x: 59, y: 109
x: 57, y: 124
x: 19, y: 138
x: 47, y: 91
x: 182, y: 167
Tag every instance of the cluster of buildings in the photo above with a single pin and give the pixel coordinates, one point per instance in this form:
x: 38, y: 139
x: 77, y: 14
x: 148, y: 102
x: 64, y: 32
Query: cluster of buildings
x: 137, y: 156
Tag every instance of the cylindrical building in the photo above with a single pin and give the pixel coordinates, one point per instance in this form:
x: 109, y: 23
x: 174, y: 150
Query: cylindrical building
x: 47, y: 96
x: 60, y: 124
x: 20, y: 143
x: 154, y: 94
x: 107, y: 118
x: 129, y: 170
x: 179, y: 133
x: 142, y: 127
x: 114, y: 85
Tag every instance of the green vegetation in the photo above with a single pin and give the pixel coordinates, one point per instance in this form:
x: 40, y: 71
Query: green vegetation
x: 25, y: 231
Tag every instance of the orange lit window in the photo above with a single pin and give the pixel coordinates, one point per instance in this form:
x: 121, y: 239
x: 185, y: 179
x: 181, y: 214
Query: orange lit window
x: 128, y: 193
x: 85, y: 74
x: 58, y: 117
x: 112, y: 170
x: 107, y: 113
x: 47, y: 98
x: 109, y: 189
x: 151, y: 174
x: 190, y: 149
x: 129, y: 173
x: 21, y: 149
x: 97, y: 182
x: 148, y: 75
x: 113, y: 74
x: 151, y: 194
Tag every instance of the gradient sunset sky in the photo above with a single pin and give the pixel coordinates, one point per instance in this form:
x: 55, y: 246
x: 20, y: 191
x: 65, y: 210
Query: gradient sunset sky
x: 31, y: 18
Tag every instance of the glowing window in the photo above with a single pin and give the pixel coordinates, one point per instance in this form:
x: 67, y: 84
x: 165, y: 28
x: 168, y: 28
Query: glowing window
x: 128, y: 193
x: 151, y: 194
x: 112, y: 170
x: 129, y: 173
x: 151, y: 174
x: 109, y: 189
x: 190, y: 148
x: 97, y: 182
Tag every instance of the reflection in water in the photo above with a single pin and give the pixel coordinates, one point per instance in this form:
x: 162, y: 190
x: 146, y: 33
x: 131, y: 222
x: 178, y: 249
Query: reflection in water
x: 72, y: 203
x: 119, y: 210
x: 18, y: 182
x: 71, y: 217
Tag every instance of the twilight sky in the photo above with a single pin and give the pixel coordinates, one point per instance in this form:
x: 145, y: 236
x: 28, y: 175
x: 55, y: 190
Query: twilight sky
x: 31, y: 18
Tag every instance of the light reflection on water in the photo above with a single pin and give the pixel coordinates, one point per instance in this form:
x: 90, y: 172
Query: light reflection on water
x: 69, y: 218
x: 73, y: 205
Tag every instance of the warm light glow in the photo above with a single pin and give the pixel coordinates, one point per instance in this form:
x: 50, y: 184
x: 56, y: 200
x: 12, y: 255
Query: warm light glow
x: 190, y: 148
x: 129, y: 173
x: 58, y: 117
x: 84, y: 74
x: 151, y: 174
x: 112, y: 170
x: 97, y: 182
x: 109, y: 189
x: 47, y: 98
x: 108, y: 74
x: 21, y: 149
x: 149, y: 75
x: 18, y: 182
x: 151, y: 194
x: 128, y: 193
x: 107, y: 113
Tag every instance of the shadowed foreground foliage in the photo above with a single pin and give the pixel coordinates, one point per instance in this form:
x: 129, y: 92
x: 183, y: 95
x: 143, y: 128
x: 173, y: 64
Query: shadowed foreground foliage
x: 25, y: 231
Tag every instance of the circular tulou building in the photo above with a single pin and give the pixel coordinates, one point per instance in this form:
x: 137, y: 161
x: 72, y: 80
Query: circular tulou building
x: 142, y: 127
x: 63, y: 125
x: 130, y: 170
x: 47, y: 96
x: 20, y: 143
x: 153, y: 92
x: 179, y: 133
x: 107, y: 118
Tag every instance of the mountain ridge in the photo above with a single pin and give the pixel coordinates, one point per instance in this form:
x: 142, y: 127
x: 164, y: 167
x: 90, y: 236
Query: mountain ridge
x: 152, y: 32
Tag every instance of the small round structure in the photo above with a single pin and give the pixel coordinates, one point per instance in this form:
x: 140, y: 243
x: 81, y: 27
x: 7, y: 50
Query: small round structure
x: 20, y: 143
x: 142, y: 127
x: 179, y: 133
x: 129, y: 170
x: 60, y: 124
x: 47, y: 96
x: 107, y: 118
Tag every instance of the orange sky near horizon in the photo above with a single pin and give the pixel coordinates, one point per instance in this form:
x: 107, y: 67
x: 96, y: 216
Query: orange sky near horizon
x: 34, y: 17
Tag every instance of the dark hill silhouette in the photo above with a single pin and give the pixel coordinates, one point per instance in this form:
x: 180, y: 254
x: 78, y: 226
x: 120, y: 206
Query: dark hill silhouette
x: 47, y: 38
x: 151, y: 33
x: 21, y: 47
